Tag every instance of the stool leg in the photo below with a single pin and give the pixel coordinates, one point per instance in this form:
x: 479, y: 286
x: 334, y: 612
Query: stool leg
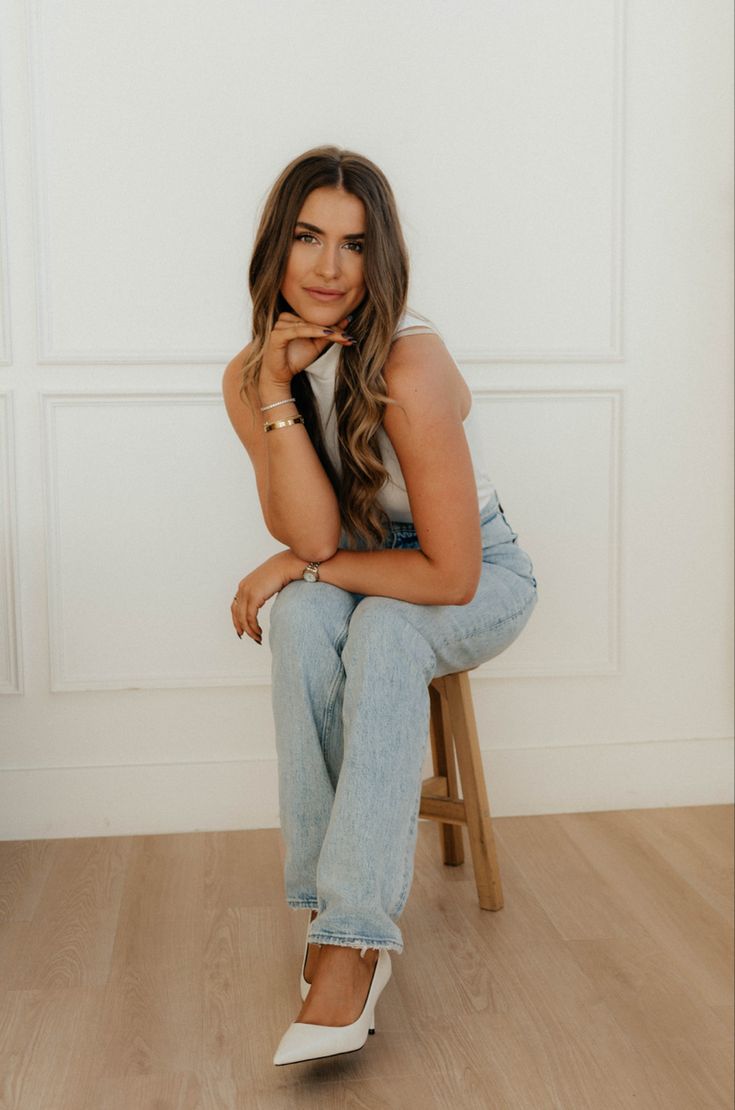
x: 442, y: 753
x: 474, y: 791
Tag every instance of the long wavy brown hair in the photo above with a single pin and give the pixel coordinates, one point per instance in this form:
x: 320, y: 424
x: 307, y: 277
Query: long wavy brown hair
x: 360, y: 391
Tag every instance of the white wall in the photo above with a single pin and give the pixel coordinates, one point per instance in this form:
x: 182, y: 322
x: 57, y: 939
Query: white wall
x: 564, y: 175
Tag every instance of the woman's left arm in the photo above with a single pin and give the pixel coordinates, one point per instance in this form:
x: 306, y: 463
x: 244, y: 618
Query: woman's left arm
x: 426, y: 431
x: 425, y: 428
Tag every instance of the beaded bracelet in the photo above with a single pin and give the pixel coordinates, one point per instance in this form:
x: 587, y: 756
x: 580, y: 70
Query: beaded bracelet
x: 283, y: 423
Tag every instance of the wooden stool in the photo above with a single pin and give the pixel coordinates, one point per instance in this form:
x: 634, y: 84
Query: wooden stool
x: 454, y: 729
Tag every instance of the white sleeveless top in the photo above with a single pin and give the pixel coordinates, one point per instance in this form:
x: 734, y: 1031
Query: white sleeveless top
x: 393, y: 497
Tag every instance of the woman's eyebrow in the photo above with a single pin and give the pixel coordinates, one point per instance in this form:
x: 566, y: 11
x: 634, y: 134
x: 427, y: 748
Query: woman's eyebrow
x: 318, y: 230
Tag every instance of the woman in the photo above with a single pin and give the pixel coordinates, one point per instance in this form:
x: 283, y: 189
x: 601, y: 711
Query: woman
x: 399, y: 564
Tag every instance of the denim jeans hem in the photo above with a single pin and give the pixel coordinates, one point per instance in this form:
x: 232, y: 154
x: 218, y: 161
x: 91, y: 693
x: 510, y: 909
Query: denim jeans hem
x: 303, y: 903
x: 355, y: 942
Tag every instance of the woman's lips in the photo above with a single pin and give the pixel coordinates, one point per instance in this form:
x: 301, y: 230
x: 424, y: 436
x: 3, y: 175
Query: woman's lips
x: 324, y: 296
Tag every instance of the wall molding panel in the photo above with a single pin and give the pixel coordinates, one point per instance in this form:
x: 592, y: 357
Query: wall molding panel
x: 85, y: 517
x: 130, y: 571
x: 6, y: 352
x: 11, y: 655
x: 611, y: 350
x: 50, y: 352
x: 602, y: 270
x: 568, y: 634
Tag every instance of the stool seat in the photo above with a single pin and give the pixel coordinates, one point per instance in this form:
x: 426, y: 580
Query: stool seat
x: 454, y: 733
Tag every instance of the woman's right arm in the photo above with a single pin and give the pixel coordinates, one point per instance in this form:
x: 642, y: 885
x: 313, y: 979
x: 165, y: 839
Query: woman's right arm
x: 298, y: 502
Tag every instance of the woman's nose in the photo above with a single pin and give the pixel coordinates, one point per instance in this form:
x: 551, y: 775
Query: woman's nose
x: 328, y: 263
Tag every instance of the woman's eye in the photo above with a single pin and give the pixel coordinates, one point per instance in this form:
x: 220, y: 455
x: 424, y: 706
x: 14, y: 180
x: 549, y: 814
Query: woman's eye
x: 304, y: 235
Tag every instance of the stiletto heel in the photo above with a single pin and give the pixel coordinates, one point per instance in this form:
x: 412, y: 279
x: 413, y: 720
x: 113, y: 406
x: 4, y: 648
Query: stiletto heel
x: 305, y: 985
x: 305, y: 1041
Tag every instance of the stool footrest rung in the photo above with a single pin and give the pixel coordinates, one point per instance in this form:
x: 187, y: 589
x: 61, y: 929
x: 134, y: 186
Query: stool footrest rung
x: 444, y: 810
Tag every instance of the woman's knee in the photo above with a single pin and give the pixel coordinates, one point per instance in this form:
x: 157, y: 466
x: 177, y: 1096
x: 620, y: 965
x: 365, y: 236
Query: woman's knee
x: 383, y: 626
x: 300, y: 605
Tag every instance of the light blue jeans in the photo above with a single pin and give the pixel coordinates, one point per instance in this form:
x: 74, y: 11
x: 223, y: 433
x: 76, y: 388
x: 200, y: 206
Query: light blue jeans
x: 350, y: 678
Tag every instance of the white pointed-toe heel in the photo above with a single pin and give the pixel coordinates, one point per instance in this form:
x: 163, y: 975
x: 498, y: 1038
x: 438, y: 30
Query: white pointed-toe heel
x: 304, y: 985
x: 305, y: 1041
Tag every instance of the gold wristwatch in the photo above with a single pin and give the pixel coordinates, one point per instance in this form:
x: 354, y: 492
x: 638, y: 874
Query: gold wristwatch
x: 311, y: 572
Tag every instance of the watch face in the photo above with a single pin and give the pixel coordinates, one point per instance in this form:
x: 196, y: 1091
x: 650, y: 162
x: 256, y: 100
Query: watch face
x: 309, y: 576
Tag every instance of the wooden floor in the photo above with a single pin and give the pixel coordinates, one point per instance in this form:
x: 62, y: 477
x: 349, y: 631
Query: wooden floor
x: 160, y: 972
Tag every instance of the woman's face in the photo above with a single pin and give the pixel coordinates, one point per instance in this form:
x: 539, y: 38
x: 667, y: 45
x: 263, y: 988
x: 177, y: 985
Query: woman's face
x: 326, y: 255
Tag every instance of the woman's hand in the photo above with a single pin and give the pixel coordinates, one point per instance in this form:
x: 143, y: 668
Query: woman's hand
x: 294, y: 344
x: 255, y: 589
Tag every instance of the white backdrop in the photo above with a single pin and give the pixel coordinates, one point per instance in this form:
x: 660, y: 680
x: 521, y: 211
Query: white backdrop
x: 563, y: 170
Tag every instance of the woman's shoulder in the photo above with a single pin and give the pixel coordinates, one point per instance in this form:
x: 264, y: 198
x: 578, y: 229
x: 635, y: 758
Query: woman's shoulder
x: 428, y: 358
x: 413, y: 322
